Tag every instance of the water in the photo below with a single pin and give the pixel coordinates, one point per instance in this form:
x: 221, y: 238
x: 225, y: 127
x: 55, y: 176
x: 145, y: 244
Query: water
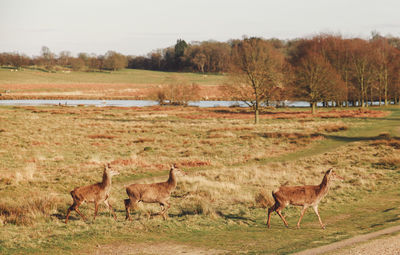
x: 121, y: 103
x: 134, y: 103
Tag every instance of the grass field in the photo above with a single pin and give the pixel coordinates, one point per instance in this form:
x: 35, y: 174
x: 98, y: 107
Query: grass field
x: 124, y: 84
x: 126, y: 76
x: 218, y: 207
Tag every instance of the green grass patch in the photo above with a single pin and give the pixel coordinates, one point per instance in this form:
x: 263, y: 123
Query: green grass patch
x: 126, y: 76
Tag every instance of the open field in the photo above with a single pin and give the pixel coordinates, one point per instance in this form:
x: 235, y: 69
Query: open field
x: 124, y: 84
x: 218, y: 207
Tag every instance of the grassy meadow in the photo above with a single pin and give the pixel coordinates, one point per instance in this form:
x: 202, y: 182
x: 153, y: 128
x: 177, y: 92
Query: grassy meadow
x: 232, y: 166
x: 123, y: 84
x: 134, y: 76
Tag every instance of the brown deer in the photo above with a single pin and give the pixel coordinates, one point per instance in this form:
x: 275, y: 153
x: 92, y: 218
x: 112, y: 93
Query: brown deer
x: 96, y: 193
x: 305, y: 196
x: 152, y: 193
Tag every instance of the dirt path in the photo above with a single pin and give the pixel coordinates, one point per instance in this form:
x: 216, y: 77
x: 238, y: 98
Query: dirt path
x: 384, y: 246
x: 381, y: 246
x: 374, y: 247
x: 154, y: 248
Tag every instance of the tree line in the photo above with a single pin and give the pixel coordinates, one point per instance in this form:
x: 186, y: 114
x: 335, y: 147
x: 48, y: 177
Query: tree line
x: 325, y: 68
x: 49, y: 61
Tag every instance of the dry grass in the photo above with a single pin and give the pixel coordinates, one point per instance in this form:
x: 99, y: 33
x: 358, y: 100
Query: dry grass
x: 335, y: 127
x: 223, y: 191
x: 45, y: 144
x: 45, y: 152
x: 384, y: 139
x: 30, y: 209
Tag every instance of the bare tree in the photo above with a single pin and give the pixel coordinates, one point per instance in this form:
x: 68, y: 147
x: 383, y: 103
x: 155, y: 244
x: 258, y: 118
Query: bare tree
x: 316, y: 80
x: 48, y: 58
x: 385, y: 58
x: 361, y: 56
x: 256, y: 69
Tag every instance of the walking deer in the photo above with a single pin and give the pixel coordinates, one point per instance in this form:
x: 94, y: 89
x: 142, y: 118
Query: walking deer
x: 96, y: 193
x: 305, y: 196
x: 152, y: 193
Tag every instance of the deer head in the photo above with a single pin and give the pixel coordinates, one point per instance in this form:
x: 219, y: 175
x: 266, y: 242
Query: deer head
x: 332, y: 175
x: 109, y: 170
x: 176, y: 171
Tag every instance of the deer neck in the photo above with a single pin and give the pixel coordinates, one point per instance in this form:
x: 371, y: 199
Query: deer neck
x: 171, y: 180
x: 324, y: 186
x: 106, y: 183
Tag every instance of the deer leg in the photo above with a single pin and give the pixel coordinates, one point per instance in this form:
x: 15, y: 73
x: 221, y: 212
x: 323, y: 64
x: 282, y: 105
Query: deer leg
x: 315, y: 207
x: 96, y: 208
x: 162, y: 212
x: 303, y: 210
x: 72, y: 207
x: 164, y: 209
x: 129, y: 203
x: 270, y: 210
x: 278, y: 211
x: 111, y: 209
x: 77, y: 210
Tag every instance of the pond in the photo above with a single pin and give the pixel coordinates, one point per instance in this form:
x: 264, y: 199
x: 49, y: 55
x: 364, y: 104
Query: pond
x: 134, y: 103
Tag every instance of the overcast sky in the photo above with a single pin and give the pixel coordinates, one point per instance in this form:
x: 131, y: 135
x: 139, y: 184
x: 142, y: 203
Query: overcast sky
x: 136, y: 27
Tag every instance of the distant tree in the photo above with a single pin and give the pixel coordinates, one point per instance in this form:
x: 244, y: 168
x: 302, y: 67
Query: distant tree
x: 361, y: 60
x: 77, y: 64
x: 138, y: 62
x: 155, y: 60
x: 114, y: 61
x: 64, y: 58
x: 94, y: 62
x: 169, y: 62
x: 46, y: 53
x: 200, y: 60
x: 3, y: 59
x: 14, y: 59
x: 48, y: 58
x: 385, y: 60
x: 180, y: 47
x: 394, y: 41
x: 256, y: 70
x: 316, y: 80
x: 84, y: 57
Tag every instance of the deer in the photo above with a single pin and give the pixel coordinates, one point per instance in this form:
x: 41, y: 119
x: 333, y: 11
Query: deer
x: 96, y: 193
x: 153, y: 193
x: 305, y: 196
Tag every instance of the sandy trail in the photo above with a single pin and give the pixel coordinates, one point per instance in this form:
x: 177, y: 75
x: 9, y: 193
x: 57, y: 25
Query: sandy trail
x: 389, y: 245
x: 154, y: 248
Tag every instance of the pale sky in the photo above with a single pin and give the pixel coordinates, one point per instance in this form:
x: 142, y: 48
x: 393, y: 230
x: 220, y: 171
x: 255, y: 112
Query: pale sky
x: 134, y: 27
